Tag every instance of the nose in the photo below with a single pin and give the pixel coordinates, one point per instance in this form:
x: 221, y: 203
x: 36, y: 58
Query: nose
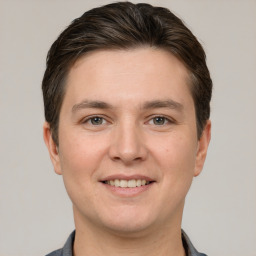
x: 127, y: 145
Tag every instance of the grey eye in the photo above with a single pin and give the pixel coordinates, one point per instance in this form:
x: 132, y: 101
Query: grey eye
x: 159, y: 120
x: 96, y: 120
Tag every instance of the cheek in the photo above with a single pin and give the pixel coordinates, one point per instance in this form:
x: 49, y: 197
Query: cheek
x: 177, y: 152
x: 80, y: 158
x: 81, y: 155
x: 176, y: 159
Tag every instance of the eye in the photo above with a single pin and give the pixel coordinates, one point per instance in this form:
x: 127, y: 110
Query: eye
x: 160, y: 120
x: 95, y: 120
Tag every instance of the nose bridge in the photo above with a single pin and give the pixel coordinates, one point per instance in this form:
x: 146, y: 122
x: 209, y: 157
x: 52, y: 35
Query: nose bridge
x: 127, y: 144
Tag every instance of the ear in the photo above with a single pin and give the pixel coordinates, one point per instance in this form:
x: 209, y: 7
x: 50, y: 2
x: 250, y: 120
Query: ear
x: 203, y: 144
x: 52, y: 148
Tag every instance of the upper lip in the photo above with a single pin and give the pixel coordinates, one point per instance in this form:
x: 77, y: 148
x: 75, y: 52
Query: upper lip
x: 127, y: 177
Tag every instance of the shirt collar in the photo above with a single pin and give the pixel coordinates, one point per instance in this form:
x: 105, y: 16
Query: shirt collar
x: 67, y: 250
x: 189, y: 248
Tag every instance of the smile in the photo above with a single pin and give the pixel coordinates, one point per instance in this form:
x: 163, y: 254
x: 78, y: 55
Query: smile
x: 127, y: 183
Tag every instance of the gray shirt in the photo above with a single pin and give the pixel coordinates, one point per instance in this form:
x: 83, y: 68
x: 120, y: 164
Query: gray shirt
x: 68, y: 247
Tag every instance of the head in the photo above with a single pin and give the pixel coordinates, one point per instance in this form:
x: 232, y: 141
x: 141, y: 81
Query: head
x: 125, y: 26
x: 127, y: 94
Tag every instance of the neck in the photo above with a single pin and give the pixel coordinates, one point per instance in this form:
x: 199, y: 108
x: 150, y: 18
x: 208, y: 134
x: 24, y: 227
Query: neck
x: 161, y: 241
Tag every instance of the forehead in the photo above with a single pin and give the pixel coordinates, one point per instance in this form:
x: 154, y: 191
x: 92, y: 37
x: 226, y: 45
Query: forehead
x: 140, y: 73
x: 147, y: 59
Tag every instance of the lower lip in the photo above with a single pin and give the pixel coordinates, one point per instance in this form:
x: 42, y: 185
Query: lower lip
x: 128, y: 192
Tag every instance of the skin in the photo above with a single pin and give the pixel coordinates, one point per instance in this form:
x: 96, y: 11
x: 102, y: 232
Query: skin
x: 145, y: 126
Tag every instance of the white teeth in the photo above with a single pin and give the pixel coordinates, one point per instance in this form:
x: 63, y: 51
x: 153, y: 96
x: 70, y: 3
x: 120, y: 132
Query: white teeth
x: 127, y: 183
x: 123, y: 183
x: 131, y: 184
x: 138, y: 183
x: 117, y: 183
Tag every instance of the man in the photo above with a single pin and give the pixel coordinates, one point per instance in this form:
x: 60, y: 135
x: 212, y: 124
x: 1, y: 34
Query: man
x: 127, y: 93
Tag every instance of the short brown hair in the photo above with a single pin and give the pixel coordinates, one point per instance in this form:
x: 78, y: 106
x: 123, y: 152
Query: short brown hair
x: 125, y: 25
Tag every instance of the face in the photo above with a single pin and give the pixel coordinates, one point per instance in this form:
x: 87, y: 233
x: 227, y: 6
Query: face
x: 128, y: 147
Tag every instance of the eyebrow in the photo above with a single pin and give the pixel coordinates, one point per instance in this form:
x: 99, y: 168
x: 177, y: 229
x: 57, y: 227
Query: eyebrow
x: 91, y: 104
x: 147, y: 105
x: 163, y: 104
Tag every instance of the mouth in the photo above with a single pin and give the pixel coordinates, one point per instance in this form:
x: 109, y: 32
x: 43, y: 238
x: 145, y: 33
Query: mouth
x: 132, y: 183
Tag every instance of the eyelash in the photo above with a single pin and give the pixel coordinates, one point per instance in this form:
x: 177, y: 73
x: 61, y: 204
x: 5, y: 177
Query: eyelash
x: 89, y: 119
x: 165, y: 119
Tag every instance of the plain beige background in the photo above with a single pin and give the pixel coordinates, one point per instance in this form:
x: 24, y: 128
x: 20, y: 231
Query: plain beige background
x: 35, y: 212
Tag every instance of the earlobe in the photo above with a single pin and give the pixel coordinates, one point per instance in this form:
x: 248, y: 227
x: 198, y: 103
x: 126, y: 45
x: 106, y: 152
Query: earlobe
x: 52, y: 148
x: 203, y: 144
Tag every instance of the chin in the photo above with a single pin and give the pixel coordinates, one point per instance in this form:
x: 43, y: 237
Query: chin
x: 128, y: 222
x: 127, y: 229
